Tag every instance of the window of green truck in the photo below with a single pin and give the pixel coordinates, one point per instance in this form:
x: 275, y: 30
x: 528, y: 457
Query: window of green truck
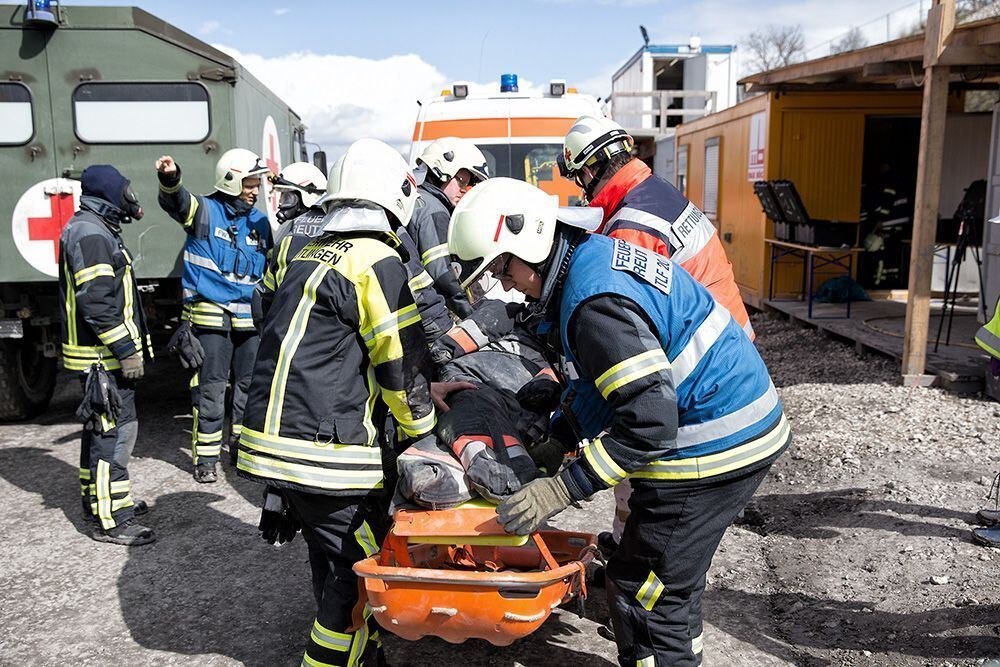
x: 16, y: 125
x: 141, y: 113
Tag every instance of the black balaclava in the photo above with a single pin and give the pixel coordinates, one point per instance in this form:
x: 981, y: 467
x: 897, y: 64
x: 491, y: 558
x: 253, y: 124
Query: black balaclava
x: 109, y: 194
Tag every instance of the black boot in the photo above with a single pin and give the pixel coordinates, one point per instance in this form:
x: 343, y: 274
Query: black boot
x: 607, y: 544
x: 128, y: 533
x: 204, y: 473
x: 989, y: 537
x: 988, y: 517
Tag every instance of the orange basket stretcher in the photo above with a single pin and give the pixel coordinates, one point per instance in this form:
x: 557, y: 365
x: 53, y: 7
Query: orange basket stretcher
x: 456, y: 574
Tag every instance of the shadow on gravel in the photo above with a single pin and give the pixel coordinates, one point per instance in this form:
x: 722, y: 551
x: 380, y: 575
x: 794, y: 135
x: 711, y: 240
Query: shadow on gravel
x: 209, y: 585
x: 37, y: 471
x: 805, y: 622
x: 820, y: 515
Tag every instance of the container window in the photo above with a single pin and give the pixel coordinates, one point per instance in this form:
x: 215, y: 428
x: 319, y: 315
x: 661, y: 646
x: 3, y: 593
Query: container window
x: 16, y: 125
x: 710, y: 198
x: 134, y: 113
x: 681, y: 172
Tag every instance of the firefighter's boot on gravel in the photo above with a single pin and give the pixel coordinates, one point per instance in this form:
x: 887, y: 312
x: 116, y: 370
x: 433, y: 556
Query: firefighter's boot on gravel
x: 204, y: 473
x: 128, y: 533
x: 988, y: 517
x: 989, y: 537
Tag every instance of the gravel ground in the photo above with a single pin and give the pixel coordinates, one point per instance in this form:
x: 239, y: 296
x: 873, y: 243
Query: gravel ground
x: 832, y: 565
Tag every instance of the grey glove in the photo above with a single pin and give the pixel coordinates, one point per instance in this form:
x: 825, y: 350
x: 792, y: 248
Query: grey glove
x: 525, y: 511
x: 132, y: 366
x: 185, y: 345
x: 548, y: 456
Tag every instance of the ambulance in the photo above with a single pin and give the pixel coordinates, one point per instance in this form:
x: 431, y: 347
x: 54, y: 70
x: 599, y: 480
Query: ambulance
x: 521, y: 134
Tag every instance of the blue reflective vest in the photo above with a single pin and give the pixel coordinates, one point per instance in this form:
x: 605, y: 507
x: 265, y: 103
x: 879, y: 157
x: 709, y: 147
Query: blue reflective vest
x: 725, y: 397
x: 226, y: 257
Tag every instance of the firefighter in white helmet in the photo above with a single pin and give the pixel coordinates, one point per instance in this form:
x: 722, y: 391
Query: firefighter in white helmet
x: 224, y: 257
x: 300, y: 185
x: 342, y: 347
x: 451, y: 167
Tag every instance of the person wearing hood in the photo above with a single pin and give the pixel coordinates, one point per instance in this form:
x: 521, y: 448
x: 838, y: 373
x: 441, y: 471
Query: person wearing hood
x: 105, y: 339
x: 224, y: 258
x: 668, y: 397
x: 451, y: 166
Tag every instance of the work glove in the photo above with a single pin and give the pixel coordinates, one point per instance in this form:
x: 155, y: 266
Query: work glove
x: 278, y: 521
x: 132, y: 366
x: 100, y: 397
x: 525, y: 511
x: 184, y: 345
x: 548, y: 456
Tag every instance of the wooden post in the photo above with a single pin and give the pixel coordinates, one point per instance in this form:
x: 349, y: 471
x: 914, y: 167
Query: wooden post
x: 940, y: 22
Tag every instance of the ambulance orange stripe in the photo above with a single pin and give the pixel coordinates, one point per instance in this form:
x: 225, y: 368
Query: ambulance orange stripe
x: 477, y: 128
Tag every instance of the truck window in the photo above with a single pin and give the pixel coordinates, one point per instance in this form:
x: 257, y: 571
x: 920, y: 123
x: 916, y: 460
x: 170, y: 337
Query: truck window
x: 134, y: 113
x: 497, y: 159
x: 16, y: 126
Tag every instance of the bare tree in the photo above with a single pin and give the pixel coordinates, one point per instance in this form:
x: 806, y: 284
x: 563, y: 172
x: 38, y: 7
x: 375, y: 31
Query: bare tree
x: 775, y: 46
x: 851, y: 40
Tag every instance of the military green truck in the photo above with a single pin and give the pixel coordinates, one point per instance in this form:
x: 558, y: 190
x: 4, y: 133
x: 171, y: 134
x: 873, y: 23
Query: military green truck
x: 110, y: 85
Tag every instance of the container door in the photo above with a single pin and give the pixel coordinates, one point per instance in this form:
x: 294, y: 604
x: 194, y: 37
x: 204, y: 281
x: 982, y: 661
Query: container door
x: 991, y: 236
x: 36, y: 205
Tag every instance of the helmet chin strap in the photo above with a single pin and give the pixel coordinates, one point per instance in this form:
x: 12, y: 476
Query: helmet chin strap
x: 556, y: 265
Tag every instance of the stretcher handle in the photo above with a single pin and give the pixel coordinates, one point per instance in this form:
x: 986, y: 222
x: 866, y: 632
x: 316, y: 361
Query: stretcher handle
x: 544, y: 550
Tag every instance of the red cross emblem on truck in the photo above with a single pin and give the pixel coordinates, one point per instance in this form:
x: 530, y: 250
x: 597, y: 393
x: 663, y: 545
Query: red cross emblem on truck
x: 49, y: 228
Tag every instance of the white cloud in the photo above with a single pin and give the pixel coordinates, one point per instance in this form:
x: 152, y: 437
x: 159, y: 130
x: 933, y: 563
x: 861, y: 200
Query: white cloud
x: 208, y: 27
x: 344, y: 98
x: 281, y: 11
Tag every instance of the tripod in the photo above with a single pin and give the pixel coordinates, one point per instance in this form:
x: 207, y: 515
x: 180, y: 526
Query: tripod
x: 967, y: 238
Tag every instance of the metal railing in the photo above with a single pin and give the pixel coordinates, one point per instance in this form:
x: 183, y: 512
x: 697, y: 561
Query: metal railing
x: 662, y: 110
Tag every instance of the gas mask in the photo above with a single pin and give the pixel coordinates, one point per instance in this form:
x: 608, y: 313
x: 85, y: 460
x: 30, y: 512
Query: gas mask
x: 129, y: 205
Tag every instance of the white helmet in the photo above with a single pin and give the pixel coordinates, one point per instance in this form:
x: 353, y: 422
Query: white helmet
x: 592, y: 139
x: 235, y: 165
x: 303, y: 178
x: 447, y: 155
x: 372, y: 171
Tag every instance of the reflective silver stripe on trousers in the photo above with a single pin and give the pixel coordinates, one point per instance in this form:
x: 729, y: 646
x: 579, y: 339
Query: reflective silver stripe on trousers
x: 748, y: 415
x: 703, y: 339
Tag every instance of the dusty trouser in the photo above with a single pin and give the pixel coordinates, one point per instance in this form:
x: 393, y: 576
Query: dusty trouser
x: 656, y: 578
x: 340, y: 531
x: 226, y: 353
x: 105, y: 450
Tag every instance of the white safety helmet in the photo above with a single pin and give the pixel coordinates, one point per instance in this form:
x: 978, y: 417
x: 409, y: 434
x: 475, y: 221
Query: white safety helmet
x: 303, y: 178
x: 235, y: 165
x: 372, y: 171
x: 592, y: 140
x: 446, y: 156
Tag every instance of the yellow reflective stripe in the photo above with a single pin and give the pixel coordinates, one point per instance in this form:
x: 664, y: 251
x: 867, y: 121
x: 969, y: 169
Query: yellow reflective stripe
x: 91, y: 272
x: 415, y: 428
x: 310, y: 662
x: 648, y: 661
x: 115, y: 505
x: 282, y: 260
x: 104, y: 494
x: 650, y: 591
x: 436, y: 252
x: 397, y: 320
x: 207, y: 450
x: 366, y: 538
x: 602, y: 463
x: 85, y: 474
x: 237, y: 429
x: 698, y: 643
x: 189, y: 220
x: 310, y: 450
x: 208, y: 438
x: 337, y: 641
x: 107, y: 424
x: 420, y: 281
x: 170, y: 189
x: 242, y: 323
x: 630, y: 370
x: 699, y: 467
x: 113, y: 335
x: 359, y: 644
x: 129, y: 313
x: 308, y: 475
x: 269, y: 282
x: 289, y: 345
x: 70, y: 308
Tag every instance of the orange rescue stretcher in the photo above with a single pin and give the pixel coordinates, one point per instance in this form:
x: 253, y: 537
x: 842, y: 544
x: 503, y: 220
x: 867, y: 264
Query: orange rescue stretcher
x: 456, y: 574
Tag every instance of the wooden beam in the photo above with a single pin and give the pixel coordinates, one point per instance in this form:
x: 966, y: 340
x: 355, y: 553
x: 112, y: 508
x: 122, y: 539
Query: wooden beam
x: 928, y: 194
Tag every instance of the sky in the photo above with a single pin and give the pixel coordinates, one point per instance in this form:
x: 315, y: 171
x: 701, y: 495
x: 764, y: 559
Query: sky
x: 354, y: 69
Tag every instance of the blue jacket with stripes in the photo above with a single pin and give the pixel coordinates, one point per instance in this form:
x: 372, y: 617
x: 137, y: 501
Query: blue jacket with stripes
x: 668, y: 387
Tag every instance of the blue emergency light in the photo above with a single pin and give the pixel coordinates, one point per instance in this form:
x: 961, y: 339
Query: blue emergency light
x: 508, y: 83
x: 39, y: 13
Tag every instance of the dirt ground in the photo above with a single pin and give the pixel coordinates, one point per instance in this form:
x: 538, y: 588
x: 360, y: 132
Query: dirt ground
x: 832, y: 566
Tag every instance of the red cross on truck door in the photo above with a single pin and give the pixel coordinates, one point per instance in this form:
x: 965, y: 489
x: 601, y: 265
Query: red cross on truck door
x: 271, y: 152
x: 38, y: 219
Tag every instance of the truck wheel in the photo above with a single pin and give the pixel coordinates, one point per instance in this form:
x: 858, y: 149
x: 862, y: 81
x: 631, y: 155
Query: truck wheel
x: 27, y: 379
